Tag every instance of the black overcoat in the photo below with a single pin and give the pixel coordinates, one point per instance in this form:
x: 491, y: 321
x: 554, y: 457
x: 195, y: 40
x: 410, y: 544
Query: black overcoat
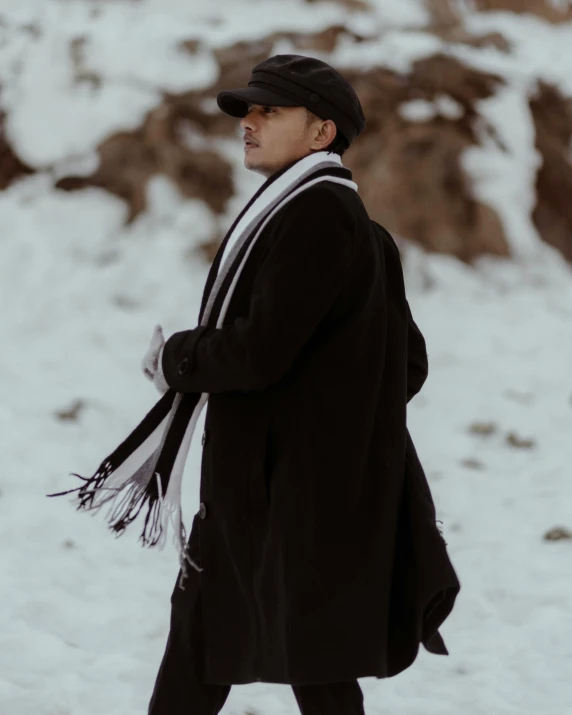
x: 321, y: 557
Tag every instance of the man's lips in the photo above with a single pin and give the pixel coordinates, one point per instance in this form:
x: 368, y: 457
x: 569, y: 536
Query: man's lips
x: 249, y: 144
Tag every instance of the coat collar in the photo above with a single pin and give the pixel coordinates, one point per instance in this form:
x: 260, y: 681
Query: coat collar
x: 341, y: 171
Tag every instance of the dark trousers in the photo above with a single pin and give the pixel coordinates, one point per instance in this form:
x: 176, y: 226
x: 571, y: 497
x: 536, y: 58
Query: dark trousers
x: 179, y: 687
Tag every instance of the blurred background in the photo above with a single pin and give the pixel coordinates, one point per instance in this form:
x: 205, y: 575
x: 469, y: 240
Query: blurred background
x: 119, y: 177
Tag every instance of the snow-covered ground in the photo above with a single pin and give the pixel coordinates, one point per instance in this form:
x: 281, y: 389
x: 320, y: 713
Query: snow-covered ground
x: 84, y: 617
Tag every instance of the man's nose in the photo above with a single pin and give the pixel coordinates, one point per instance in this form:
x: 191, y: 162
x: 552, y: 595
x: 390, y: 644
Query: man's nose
x: 247, y: 122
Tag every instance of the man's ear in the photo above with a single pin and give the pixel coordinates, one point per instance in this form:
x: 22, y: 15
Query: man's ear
x: 327, y: 132
x: 334, y: 129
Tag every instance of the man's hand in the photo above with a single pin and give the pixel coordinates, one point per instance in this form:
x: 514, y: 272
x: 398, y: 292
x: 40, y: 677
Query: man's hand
x: 151, y: 363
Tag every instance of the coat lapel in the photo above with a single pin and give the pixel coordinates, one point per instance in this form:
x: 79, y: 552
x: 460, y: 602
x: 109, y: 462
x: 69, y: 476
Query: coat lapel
x: 213, y: 272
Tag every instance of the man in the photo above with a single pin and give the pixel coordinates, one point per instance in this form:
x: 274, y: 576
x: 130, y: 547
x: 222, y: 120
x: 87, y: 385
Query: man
x: 320, y: 558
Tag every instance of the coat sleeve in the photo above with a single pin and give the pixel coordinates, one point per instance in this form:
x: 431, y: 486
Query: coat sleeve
x: 417, y: 364
x: 297, y: 283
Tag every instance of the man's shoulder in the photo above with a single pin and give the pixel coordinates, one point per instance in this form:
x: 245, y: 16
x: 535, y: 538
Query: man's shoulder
x: 326, y: 198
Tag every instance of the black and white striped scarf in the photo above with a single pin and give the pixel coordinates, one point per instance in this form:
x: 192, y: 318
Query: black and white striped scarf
x: 146, y: 469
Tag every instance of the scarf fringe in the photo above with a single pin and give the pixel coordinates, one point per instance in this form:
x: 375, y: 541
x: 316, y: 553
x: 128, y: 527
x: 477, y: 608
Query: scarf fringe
x: 126, y: 502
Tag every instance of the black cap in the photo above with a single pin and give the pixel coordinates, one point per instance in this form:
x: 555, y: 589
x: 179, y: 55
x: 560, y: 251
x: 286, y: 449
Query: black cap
x: 299, y: 81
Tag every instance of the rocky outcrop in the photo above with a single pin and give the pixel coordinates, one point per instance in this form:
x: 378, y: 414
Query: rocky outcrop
x: 446, y: 22
x: 552, y: 215
x: 407, y: 162
x: 127, y: 160
x: 409, y: 172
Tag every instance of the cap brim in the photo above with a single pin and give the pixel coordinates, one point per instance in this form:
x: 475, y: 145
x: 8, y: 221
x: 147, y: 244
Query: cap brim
x: 234, y: 101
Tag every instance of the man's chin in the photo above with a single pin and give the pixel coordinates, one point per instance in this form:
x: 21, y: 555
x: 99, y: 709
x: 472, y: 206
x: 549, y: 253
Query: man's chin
x: 256, y: 166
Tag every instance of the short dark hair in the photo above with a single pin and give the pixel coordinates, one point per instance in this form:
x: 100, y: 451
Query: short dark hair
x: 339, y: 143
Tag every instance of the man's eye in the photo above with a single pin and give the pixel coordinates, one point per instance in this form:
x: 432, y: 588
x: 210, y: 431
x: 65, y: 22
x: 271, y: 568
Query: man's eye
x: 265, y: 109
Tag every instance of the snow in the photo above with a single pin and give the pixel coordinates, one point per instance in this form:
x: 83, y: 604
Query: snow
x: 401, y: 13
x: 423, y: 110
x: 492, y: 164
x: 448, y: 107
x: 418, y: 110
x: 396, y: 49
x: 85, y: 616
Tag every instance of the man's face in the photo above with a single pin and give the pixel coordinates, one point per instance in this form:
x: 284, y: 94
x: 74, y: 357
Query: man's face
x: 281, y: 135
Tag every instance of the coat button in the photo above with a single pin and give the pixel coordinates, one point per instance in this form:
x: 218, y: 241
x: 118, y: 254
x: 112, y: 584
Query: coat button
x: 202, y: 510
x: 205, y: 437
x: 183, y: 366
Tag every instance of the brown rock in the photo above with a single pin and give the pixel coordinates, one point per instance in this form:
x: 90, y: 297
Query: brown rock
x: 409, y: 173
x: 514, y: 440
x: 446, y: 23
x: 552, y: 215
x: 545, y: 9
x: 129, y: 159
x: 557, y: 533
x: 483, y: 428
x: 443, y: 13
